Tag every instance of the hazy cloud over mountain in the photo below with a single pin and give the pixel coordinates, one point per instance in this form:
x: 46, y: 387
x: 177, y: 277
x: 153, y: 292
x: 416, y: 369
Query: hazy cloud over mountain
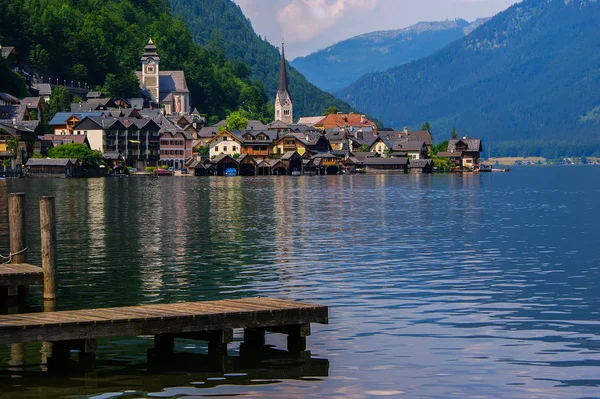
x: 308, y: 25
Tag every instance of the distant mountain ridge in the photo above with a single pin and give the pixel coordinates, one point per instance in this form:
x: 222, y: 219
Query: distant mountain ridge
x: 339, y: 65
x: 224, y: 21
x: 526, y: 81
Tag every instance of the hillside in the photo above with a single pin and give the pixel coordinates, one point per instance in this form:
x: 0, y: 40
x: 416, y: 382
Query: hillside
x: 223, y: 20
x: 337, y: 66
x: 100, y: 42
x: 527, y: 82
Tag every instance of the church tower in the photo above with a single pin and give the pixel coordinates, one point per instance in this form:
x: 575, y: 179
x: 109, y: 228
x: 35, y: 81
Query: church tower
x: 150, y: 61
x: 283, y: 101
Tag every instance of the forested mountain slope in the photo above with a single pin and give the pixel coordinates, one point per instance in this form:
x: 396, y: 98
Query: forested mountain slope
x: 207, y: 17
x: 89, y: 40
x: 526, y: 81
x: 335, y: 67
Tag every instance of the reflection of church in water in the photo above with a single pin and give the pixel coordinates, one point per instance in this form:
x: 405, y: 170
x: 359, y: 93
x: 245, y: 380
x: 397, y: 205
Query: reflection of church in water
x: 167, y: 89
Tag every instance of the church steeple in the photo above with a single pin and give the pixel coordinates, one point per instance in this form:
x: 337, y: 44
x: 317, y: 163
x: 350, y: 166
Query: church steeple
x: 283, y: 101
x: 150, y: 70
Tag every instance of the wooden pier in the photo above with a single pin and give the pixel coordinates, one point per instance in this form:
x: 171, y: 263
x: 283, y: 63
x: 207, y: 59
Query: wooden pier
x: 212, y: 321
x: 17, y: 275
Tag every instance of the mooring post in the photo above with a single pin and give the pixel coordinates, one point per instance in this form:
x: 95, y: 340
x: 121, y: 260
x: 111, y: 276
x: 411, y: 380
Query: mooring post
x: 18, y: 235
x: 48, y: 232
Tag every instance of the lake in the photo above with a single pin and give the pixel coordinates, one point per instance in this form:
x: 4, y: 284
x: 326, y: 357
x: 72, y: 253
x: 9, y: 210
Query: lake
x: 438, y: 285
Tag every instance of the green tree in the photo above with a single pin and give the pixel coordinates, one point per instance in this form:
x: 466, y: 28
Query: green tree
x: 426, y: 127
x: 332, y: 109
x: 123, y: 85
x: 441, y: 147
x: 12, y: 145
x: 441, y: 164
x: 237, y: 121
x: 454, y: 133
x: 204, y: 150
x: 60, y: 101
x: 88, y: 158
x: 363, y: 148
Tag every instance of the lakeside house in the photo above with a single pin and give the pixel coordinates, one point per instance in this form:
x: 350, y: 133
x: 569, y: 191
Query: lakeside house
x: 52, y: 167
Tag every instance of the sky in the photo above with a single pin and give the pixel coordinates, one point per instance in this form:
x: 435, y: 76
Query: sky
x: 310, y: 25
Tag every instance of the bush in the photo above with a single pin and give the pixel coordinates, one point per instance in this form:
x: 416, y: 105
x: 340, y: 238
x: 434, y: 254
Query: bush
x: 151, y: 169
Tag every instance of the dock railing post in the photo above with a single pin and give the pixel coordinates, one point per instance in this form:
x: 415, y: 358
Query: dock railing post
x: 48, y: 233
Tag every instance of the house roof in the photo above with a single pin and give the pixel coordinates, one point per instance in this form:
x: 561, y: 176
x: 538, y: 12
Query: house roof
x: 7, y: 51
x: 31, y: 102
x: 277, y: 125
x: 50, y: 162
x: 310, y: 120
x: 421, y: 135
x: 449, y: 154
x: 472, y: 144
x: 385, y: 161
x: 150, y: 51
x: 208, y: 131
x: 64, y: 139
x: 255, y: 125
x: 333, y: 120
x: 404, y: 145
x: 9, y: 98
x: 363, y: 155
x: 419, y: 163
x: 222, y: 157
x: 44, y: 89
x: 112, y: 155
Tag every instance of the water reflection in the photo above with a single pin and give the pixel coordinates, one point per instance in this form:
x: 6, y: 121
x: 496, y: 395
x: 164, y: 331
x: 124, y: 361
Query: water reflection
x: 438, y: 285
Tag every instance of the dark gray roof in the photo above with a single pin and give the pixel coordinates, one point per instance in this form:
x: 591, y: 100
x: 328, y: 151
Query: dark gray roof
x: 44, y: 89
x: 472, y: 144
x: 208, y: 131
x: 385, y: 161
x: 50, y: 162
x: 112, y: 155
x: 221, y: 157
x: 255, y: 125
x: 403, y: 145
x: 6, y: 51
x: 363, y: 155
x: 419, y: 163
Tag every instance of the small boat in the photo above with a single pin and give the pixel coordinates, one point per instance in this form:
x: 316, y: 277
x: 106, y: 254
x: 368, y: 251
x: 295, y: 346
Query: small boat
x: 500, y: 170
x: 296, y: 172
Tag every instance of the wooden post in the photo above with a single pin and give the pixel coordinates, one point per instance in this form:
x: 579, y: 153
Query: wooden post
x: 16, y: 226
x: 18, y: 236
x: 48, y: 232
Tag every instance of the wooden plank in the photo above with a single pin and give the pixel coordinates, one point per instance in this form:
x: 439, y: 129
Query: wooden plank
x: 176, y: 318
x: 20, y: 274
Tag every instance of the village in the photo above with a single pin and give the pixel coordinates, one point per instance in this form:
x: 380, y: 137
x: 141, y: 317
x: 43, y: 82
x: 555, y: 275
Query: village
x: 159, y: 134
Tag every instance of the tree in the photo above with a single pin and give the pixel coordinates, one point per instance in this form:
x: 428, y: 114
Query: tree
x: 12, y: 146
x: 454, y: 133
x: 441, y: 147
x: 88, y: 158
x: 426, y: 127
x: 332, y: 109
x: 124, y: 85
x: 60, y: 101
x: 363, y: 148
x: 204, y: 150
x: 237, y: 121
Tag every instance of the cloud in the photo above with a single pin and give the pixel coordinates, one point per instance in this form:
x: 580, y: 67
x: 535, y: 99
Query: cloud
x: 303, y: 20
x: 309, y: 25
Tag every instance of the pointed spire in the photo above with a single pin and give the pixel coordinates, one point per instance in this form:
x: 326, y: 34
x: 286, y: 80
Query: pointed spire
x: 150, y: 51
x: 283, y: 81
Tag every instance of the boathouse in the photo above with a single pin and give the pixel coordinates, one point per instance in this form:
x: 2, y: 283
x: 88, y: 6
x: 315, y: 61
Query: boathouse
x: 385, y: 165
x: 53, y: 168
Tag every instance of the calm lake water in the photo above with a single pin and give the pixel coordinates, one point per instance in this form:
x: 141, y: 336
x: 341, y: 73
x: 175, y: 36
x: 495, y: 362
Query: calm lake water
x: 439, y: 286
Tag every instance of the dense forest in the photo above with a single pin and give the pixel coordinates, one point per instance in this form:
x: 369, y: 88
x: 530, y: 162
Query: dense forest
x: 100, y: 42
x: 222, y: 20
x: 335, y: 67
x: 527, y: 82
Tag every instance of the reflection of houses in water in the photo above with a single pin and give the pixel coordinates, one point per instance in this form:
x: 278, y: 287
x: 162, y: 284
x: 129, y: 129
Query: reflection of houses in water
x: 96, y: 216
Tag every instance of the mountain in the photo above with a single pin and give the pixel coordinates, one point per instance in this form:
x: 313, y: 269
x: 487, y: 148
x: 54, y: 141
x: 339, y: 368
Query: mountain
x: 526, y: 81
x: 100, y: 42
x: 339, y: 65
x: 222, y: 21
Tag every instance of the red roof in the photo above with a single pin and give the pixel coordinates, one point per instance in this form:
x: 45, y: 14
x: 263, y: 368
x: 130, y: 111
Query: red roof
x: 340, y: 120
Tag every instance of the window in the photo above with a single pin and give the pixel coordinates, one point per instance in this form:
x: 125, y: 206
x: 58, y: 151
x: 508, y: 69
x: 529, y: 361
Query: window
x: 150, y: 69
x: 79, y: 132
x: 234, y: 149
x: 224, y: 149
x: 217, y: 148
x: 85, y: 132
x: 286, y: 112
x: 225, y: 138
